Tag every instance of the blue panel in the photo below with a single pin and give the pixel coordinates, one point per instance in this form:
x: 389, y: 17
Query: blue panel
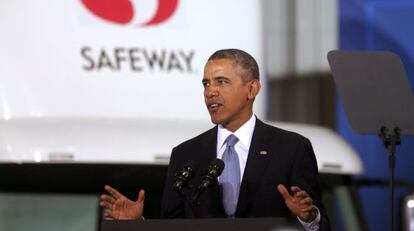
x: 391, y: 28
x: 379, y: 25
x: 352, y: 24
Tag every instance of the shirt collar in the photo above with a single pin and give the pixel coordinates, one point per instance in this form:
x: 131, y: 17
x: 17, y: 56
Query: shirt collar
x: 244, y: 133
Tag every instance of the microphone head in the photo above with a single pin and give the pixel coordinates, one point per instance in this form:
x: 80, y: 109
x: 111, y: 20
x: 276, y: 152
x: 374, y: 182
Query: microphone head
x: 183, y: 175
x: 213, y: 171
x: 216, y: 168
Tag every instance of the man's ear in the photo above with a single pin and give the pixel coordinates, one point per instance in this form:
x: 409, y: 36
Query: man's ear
x: 254, y: 88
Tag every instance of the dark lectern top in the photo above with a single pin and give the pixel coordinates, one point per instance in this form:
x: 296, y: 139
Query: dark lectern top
x: 256, y: 224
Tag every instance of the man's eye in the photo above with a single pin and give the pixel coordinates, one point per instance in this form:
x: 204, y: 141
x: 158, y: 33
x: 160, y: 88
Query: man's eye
x: 205, y: 84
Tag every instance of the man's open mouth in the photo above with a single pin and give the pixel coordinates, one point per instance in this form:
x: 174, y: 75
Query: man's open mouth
x: 213, y: 107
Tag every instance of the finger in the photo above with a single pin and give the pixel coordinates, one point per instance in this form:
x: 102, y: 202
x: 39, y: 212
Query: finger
x: 295, y: 189
x: 141, y: 196
x: 307, y: 209
x: 113, y: 192
x: 283, y: 191
x: 301, y: 194
x: 105, y: 205
x: 107, y: 198
x: 108, y: 214
x: 306, y: 201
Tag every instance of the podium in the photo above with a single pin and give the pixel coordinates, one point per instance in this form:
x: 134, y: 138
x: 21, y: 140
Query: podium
x: 216, y: 224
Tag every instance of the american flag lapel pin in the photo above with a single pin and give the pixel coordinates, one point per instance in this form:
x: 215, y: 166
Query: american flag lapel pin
x: 263, y: 152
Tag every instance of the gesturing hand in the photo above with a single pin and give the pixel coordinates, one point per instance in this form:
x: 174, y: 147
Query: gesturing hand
x: 300, y: 203
x: 121, y: 208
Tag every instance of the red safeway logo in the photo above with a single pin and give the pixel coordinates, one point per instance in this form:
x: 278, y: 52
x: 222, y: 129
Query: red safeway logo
x: 122, y: 11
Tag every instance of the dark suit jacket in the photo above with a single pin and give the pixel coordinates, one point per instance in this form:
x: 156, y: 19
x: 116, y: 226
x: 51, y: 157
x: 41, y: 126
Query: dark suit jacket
x: 289, y: 160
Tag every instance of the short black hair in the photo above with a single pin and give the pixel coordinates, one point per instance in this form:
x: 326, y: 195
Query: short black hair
x: 240, y: 58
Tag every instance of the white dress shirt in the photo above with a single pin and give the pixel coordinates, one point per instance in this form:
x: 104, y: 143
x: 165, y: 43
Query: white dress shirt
x: 244, y: 134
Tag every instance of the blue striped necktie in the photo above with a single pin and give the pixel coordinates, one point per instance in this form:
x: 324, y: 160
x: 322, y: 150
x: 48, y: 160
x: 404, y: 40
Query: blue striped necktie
x: 230, y: 178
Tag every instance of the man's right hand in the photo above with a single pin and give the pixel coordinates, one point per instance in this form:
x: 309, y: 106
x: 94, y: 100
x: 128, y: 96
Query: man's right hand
x: 121, y: 208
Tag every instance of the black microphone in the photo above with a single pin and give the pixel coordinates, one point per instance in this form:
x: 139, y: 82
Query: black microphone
x: 183, y: 175
x: 213, y: 171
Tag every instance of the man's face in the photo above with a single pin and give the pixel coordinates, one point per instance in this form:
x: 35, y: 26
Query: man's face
x: 227, y: 95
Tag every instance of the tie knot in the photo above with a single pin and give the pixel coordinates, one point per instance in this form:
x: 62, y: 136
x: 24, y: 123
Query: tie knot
x: 231, y: 140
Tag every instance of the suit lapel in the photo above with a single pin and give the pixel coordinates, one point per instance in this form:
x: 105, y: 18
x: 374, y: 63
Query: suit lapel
x: 257, y: 163
x: 209, y: 145
x: 211, y: 201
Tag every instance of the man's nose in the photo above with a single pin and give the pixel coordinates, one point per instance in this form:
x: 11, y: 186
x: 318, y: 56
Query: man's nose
x: 211, y: 91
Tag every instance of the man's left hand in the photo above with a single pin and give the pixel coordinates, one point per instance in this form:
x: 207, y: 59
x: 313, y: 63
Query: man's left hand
x: 299, y: 203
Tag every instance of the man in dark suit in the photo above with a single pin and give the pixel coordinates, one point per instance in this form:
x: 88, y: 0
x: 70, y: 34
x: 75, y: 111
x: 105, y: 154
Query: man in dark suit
x: 267, y: 158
